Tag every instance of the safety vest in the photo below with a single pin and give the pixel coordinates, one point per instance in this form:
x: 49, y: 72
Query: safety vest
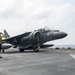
x: 1, y: 36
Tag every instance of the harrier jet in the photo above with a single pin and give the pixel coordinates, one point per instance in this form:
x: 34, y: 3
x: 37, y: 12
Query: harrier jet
x: 35, y: 39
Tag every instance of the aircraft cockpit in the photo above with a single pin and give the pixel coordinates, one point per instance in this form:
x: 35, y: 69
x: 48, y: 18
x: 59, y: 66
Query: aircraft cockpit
x: 56, y: 30
x: 46, y: 29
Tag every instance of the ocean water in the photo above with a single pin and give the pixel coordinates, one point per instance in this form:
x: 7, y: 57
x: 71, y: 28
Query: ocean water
x: 64, y: 46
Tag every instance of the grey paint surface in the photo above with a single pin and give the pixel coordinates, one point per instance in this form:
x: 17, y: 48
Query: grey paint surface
x: 45, y: 62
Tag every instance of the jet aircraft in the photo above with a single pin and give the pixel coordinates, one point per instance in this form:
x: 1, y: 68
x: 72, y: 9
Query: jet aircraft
x: 35, y: 39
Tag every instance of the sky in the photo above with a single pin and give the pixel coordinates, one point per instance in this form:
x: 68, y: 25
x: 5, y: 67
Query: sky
x: 19, y: 16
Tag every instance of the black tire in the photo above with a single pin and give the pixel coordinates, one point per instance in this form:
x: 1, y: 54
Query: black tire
x: 3, y: 51
x: 21, y: 50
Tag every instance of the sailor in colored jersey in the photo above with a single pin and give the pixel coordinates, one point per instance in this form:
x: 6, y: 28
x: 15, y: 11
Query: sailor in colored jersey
x: 1, y: 36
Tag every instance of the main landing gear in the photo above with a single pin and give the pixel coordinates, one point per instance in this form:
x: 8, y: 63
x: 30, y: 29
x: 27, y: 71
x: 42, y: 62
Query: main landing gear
x: 21, y: 50
x: 36, y: 50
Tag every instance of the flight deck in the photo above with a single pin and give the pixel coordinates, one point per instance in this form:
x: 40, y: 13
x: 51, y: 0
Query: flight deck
x: 44, y: 62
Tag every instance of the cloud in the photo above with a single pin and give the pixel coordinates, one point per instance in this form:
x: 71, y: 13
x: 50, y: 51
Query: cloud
x: 27, y: 15
x: 4, y: 5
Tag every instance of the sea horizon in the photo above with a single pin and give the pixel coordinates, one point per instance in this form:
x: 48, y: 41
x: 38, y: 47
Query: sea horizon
x: 65, y: 46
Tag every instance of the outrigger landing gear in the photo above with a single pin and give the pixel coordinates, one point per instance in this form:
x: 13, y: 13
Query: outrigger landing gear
x: 2, y: 50
x: 0, y: 55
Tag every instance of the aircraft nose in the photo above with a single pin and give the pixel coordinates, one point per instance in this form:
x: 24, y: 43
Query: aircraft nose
x: 63, y: 34
x: 59, y: 35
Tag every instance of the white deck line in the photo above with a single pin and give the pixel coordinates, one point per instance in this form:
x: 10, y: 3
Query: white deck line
x: 72, y: 55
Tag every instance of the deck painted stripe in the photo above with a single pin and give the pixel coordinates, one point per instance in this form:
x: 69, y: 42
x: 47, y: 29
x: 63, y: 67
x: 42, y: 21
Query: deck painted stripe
x: 72, y: 55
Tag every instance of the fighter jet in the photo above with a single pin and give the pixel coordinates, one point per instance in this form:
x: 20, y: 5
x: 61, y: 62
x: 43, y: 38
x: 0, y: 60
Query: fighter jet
x: 35, y: 39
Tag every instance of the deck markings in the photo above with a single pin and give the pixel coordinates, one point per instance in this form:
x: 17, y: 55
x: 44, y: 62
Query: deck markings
x: 72, y: 55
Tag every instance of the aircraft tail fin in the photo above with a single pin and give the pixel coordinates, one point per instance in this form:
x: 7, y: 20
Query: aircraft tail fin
x: 6, y: 34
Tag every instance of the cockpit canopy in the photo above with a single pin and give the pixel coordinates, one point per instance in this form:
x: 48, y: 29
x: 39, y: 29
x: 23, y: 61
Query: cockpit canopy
x: 56, y: 30
x: 46, y: 29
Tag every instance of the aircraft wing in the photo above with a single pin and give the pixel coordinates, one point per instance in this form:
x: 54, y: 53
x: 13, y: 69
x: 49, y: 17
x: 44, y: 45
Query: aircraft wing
x: 16, y: 39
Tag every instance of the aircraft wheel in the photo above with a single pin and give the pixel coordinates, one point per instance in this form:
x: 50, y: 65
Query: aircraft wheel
x: 3, y: 50
x: 21, y: 50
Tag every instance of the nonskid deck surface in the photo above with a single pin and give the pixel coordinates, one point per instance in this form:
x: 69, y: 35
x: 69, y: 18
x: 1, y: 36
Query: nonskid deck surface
x: 45, y: 62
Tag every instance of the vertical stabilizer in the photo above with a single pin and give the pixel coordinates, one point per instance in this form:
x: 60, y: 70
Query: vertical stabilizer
x: 6, y: 34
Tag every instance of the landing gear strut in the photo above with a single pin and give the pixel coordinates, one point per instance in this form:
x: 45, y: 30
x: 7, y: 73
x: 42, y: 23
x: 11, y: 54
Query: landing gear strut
x: 36, y: 50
